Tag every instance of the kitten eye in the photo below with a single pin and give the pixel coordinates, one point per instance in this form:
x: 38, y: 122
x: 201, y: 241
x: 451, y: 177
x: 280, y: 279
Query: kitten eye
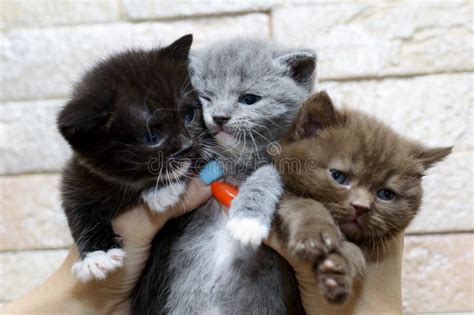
x: 249, y: 99
x: 150, y: 138
x: 189, y: 116
x: 385, y: 194
x: 339, y: 177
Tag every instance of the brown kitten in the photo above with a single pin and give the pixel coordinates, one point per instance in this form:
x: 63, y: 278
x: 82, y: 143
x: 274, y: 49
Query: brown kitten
x: 353, y: 183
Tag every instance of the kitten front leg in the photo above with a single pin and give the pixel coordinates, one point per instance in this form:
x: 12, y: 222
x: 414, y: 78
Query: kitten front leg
x: 338, y: 271
x: 309, y: 228
x: 162, y: 198
x: 251, y: 213
x: 312, y: 234
x: 99, y: 247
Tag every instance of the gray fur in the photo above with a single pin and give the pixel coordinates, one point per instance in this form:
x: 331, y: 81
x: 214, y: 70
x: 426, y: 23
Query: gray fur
x: 258, y: 196
x: 210, y: 272
x: 227, y: 69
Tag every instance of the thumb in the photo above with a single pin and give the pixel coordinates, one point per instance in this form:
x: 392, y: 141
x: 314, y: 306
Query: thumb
x: 195, y: 195
x: 140, y: 224
x: 275, y: 242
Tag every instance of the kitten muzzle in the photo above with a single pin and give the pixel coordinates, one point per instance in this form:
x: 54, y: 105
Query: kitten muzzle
x: 351, y: 228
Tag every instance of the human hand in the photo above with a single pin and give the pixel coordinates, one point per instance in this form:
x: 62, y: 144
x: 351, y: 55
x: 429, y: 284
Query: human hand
x: 378, y: 293
x: 63, y: 293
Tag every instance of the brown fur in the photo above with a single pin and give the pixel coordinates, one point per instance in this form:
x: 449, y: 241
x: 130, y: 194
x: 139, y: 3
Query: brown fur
x: 331, y: 223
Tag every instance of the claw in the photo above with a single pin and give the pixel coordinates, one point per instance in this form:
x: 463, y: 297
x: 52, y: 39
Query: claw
x: 331, y: 282
x: 327, y: 242
x: 328, y: 265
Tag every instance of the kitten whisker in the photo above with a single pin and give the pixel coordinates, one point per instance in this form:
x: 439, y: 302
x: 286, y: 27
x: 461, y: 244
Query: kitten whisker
x: 268, y: 129
x: 255, y: 145
x: 271, y: 121
x: 244, y: 145
x: 263, y: 137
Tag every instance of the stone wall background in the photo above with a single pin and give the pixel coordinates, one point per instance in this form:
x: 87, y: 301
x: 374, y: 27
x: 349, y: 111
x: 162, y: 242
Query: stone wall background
x: 410, y: 63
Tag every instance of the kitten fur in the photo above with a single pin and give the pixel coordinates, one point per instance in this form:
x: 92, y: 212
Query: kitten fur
x: 335, y: 214
x: 216, y: 264
x: 128, y: 123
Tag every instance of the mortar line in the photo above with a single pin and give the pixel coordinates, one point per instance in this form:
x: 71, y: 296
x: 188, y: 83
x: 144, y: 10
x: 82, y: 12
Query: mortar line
x: 354, y: 79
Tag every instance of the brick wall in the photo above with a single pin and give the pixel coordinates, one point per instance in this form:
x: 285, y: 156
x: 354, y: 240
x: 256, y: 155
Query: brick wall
x: 410, y: 63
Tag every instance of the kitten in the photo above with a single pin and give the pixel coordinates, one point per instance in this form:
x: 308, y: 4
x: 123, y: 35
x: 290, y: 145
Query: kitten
x: 133, y: 128
x: 250, y: 91
x: 363, y: 187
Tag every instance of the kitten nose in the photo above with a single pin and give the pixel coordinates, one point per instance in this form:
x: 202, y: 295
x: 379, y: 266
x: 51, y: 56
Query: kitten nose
x: 220, y: 120
x: 360, y: 209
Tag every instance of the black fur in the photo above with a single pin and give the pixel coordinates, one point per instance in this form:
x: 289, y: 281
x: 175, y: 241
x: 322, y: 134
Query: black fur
x: 115, y: 108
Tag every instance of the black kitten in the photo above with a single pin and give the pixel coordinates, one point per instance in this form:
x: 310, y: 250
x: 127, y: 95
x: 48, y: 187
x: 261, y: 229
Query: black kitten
x: 134, y: 125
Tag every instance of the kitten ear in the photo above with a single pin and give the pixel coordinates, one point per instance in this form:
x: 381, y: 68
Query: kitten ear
x: 316, y: 114
x: 430, y: 156
x: 179, y: 49
x: 83, y: 119
x: 300, y: 66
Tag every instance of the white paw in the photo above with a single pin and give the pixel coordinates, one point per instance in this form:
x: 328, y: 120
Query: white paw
x: 97, y: 264
x: 247, y: 231
x: 161, y: 199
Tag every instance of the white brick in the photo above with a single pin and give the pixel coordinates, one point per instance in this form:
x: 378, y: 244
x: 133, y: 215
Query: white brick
x: 371, y: 39
x: 466, y: 141
x: 61, y: 54
x: 438, y: 273
x: 26, y: 13
x: 448, y: 197
x: 432, y: 109
x: 30, y: 141
x: 23, y: 271
x: 31, y: 215
x: 138, y: 10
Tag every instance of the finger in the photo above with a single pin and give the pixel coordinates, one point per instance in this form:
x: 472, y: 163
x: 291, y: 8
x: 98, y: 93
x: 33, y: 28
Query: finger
x: 195, y: 195
x: 140, y: 224
x: 274, y: 242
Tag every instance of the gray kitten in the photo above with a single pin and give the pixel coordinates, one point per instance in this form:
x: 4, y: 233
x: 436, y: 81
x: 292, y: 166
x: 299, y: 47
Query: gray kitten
x: 250, y: 91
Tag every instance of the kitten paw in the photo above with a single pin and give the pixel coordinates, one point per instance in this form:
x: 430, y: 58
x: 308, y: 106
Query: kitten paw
x: 335, y: 282
x: 247, y: 231
x: 312, y: 245
x: 98, y: 264
x: 163, y: 198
